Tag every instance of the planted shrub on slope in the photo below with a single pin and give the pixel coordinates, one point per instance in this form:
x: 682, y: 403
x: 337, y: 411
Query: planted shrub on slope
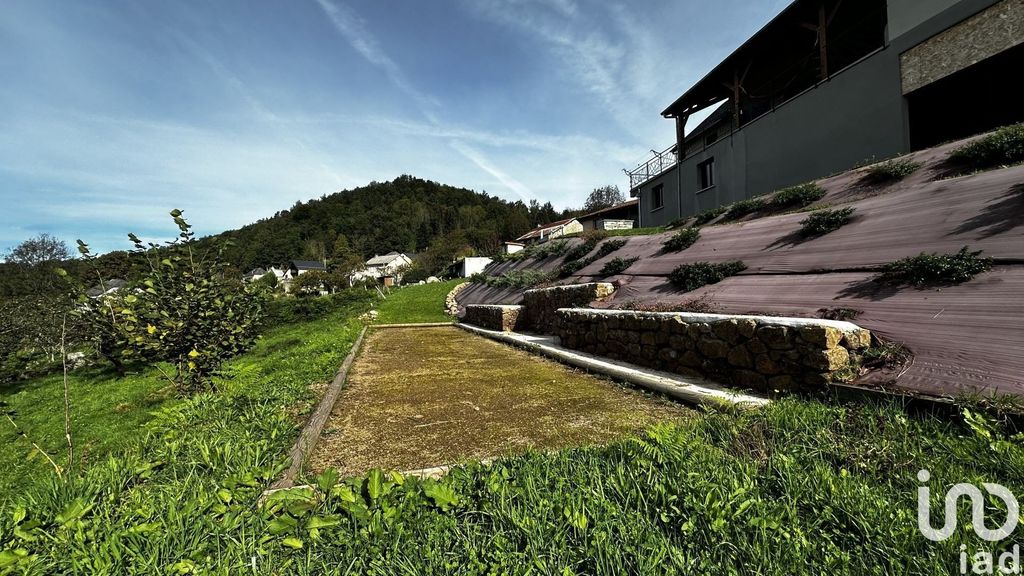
x: 927, y: 269
x: 617, y: 266
x: 1004, y: 147
x: 692, y: 276
x: 682, y: 240
x: 825, y: 221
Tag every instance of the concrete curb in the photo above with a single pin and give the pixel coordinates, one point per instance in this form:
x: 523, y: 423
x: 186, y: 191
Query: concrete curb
x: 422, y: 325
x: 690, y: 390
x: 315, y: 425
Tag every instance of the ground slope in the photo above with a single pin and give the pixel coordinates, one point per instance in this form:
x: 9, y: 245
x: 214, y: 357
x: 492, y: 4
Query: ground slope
x: 965, y: 338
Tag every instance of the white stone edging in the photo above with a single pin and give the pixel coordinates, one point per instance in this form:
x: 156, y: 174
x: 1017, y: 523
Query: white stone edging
x: 692, y: 390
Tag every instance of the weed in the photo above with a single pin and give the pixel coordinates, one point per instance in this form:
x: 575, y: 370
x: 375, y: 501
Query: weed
x: 936, y: 269
x: 1004, y: 147
x: 886, y: 355
x: 617, y: 266
x: 692, y: 276
x: 681, y: 240
x: 825, y: 221
x: 892, y: 170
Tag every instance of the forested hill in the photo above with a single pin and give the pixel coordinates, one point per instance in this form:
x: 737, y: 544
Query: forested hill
x: 407, y: 215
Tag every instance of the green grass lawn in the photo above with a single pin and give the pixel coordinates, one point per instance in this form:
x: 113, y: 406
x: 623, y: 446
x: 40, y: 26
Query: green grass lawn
x: 416, y: 303
x: 800, y: 487
x: 105, y: 412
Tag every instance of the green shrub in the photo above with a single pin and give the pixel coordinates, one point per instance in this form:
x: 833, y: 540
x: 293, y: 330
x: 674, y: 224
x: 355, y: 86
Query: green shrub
x: 548, y: 249
x: 797, y: 196
x: 927, y: 269
x: 709, y: 215
x: 571, y: 267
x: 617, y: 266
x: 825, y: 221
x: 282, y: 311
x: 185, y: 311
x: 517, y: 279
x: 744, y: 207
x: 892, y: 170
x: 681, y: 240
x: 609, y: 247
x: 692, y: 276
x: 1004, y: 147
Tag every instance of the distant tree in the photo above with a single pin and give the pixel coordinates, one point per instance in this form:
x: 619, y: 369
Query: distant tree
x: 311, y: 283
x: 603, y: 197
x: 345, y: 260
x: 38, y: 250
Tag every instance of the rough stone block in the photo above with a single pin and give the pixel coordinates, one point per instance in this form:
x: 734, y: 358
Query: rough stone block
x: 713, y: 348
x: 821, y: 336
x: 775, y: 337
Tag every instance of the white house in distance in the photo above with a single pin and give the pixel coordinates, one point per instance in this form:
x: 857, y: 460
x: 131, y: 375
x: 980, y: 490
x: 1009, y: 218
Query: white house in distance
x: 551, y: 230
x: 471, y: 265
x: 387, y: 268
x: 512, y: 247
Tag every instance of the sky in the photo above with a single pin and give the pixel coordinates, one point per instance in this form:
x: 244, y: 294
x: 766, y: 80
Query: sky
x: 113, y: 113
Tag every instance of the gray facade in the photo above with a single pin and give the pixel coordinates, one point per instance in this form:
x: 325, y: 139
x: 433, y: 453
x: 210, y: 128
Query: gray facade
x: 856, y: 114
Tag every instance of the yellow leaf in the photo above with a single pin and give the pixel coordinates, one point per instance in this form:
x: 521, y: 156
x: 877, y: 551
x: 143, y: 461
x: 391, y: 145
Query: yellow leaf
x: 193, y: 353
x: 151, y: 329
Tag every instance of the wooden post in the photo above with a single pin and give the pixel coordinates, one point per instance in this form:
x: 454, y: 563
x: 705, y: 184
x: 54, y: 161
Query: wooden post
x: 736, y: 99
x: 822, y: 42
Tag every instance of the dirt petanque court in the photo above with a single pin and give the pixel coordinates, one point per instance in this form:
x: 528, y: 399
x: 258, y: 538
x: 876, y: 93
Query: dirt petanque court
x: 423, y: 397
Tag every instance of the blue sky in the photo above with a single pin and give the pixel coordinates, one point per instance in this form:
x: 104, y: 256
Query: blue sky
x: 115, y: 112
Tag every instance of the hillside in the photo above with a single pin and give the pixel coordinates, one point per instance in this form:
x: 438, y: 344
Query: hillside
x: 965, y: 338
x: 407, y: 214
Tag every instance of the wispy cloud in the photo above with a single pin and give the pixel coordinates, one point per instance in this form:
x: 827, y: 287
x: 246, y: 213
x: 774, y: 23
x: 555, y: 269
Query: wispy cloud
x: 353, y: 28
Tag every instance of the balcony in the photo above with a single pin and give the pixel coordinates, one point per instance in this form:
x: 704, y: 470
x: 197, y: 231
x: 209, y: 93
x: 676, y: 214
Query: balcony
x: 655, y: 165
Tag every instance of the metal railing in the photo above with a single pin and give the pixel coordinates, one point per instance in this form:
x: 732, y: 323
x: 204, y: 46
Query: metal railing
x: 656, y: 164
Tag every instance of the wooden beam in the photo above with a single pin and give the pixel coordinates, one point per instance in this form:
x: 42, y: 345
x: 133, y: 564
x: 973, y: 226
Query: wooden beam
x: 735, y: 99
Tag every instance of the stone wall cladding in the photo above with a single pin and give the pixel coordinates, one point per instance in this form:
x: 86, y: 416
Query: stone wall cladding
x: 451, y: 301
x: 494, y: 316
x: 542, y: 304
x: 761, y: 353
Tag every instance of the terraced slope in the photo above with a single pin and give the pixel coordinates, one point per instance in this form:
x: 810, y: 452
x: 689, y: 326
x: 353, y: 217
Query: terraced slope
x: 965, y: 338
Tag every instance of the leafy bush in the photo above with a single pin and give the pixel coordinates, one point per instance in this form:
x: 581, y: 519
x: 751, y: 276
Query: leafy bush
x: 513, y: 279
x: 892, y: 170
x: 698, y: 305
x: 825, y: 221
x: 609, y: 247
x: 1004, y: 147
x: 681, y: 240
x: 548, y: 249
x: 282, y: 311
x: 692, y: 276
x: 572, y: 266
x: 744, y: 207
x: 185, y: 311
x: 926, y: 269
x: 797, y: 196
x: 709, y: 215
x: 617, y: 266
x: 838, y: 313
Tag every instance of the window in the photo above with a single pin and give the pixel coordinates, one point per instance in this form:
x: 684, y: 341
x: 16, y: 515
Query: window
x: 658, y: 196
x: 706, y: 172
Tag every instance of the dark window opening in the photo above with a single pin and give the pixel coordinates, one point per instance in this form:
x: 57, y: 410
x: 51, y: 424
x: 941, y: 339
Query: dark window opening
x: 658, y: 196
x: 706, y: 172
x: 976, y: 99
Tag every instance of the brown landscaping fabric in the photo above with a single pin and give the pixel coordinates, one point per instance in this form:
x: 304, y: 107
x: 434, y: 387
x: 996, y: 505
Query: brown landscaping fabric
x: 966, y: 337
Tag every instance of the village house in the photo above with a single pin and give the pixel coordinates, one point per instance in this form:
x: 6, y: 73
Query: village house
x: 622, y: 216
x: 544, y: 232
x: 297, y: 268
x: 386, y: 269
x: 829, y: 84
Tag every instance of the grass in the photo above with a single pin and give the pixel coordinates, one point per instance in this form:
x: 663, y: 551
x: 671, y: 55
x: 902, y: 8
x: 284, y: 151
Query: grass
x: 106, y: 411
x: 425, y: 397
x: 417, y: 303
x: 799, y: 487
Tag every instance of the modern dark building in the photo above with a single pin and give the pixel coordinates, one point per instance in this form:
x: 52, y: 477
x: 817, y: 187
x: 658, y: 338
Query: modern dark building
x: 829, y: 84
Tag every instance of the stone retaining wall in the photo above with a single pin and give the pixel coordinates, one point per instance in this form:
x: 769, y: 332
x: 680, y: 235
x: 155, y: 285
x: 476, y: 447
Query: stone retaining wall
x: 542, y: 304
x: 494, y: 316
x: 762, y: 353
